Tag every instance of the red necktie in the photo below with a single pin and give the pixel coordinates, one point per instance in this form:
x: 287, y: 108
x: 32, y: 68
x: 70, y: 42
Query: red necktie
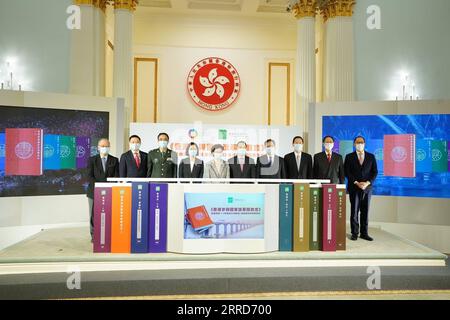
x: 329, y: 157
x: 138, y: 162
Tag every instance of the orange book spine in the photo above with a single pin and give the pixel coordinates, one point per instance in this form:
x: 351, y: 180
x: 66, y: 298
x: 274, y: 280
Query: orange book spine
x: 121, y: 219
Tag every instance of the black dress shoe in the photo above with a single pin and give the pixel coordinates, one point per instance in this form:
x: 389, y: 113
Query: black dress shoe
x: 354, y: 237
x: 366, y: 237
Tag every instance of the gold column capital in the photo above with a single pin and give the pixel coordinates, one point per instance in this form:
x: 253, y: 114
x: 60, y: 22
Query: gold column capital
x: 101, y: 4
x: 125, y: 4
x: 336, y: 8
x: 304, y: 8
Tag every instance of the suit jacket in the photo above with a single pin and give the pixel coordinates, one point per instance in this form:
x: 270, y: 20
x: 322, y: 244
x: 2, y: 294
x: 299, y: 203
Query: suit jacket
x: 128, y: 167
x: 333, y: 171
x: 184, y: 169
x: 266, y: 171
x: 249, y: 168
x: 162, y: 164
x: 212, y: 172
x: 97, y: 174
x: 354, y: 171
x: 293, y: 171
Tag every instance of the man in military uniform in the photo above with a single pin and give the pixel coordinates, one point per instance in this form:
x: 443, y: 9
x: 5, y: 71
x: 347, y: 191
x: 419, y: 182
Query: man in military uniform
x: 162, y: 162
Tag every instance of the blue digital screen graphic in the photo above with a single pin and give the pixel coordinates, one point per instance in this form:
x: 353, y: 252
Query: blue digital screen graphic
x: 412, y: 151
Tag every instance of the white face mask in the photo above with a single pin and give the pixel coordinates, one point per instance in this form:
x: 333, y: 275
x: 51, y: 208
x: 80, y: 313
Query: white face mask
x: 270, y: 151
x: 135, y: 146
x: 163, y: 144
x: 360, y: 147
x: 298, y: 147
x: 241, y: 152
x: 103, y: 150
x: 328, y: 146
x: 192, y: 152
x: 217, y: 155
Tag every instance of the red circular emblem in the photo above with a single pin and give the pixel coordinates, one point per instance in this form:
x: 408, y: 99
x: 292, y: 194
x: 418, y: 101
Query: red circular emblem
x: 214, y: 84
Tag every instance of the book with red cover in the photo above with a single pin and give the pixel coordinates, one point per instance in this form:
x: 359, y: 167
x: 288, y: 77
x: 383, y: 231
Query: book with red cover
x: 24, y: 149
x: 199, y: 218
x: 329, y: 217
x: 400, y: 155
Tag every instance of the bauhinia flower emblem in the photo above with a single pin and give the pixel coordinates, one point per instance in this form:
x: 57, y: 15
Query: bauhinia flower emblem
x: 214, y: 84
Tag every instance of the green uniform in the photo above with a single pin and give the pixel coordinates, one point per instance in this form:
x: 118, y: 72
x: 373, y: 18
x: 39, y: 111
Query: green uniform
x: 162, y: 164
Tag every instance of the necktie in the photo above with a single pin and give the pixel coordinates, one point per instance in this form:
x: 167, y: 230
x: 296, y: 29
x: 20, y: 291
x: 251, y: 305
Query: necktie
x: 329, y: 157
x: 361, y: 159
x: 298, y: 161
x: 104, y: 164
x: 138, y: 161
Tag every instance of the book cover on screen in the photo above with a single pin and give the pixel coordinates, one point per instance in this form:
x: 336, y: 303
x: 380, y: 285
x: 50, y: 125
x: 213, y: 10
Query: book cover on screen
x: 375, y: 146
x: 2, y: 153
x: 315, y: 222
x: 83, y: 151
x: 341, y: 234
x: 51, y: 152
x: 345, y: 147
x: 139, y: 217
x: 157, y: 234
x: 67, y: 152
x: 423, y: 156
x: 199, y: 218
x: 121, y: 218
x: 102, y: 218
x: 24, y: 148
x: 329, y: 217
x: 285, y: 217
x: 439, y: 156
x: 301, y: 217
x: 400, y: 155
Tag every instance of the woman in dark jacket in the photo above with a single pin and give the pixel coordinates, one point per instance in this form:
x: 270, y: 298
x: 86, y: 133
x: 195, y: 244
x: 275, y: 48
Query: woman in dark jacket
x: 191, y: 166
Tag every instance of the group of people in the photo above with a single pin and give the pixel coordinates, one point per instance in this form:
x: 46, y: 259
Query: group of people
x: 360, y: 168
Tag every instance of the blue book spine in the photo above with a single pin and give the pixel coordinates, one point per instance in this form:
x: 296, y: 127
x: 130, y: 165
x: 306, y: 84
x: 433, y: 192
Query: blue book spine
x: 139, y: 217
x: 286, y: 217
x: 51, y: 152
x: 157, y: 235
x: 2, y: 153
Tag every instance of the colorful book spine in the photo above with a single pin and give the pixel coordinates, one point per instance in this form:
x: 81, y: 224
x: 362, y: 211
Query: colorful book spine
x: 24, y: 148
x: 301, y: 217
x: 102, y: 217
x: 83, y: 151
x: 51, y: 152
x: 139, y: 217
x: 67, y: 152
x: 285, y: 217
x: 315, y: 223
x: 341, y: 222
x: 2, y: 152
x: 157, y: 238
x: 329, y: 209
x: 121, y: 218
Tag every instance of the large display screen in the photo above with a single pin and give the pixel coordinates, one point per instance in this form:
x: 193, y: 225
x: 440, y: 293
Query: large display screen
x: 46, y: 151
x: 412, y: 151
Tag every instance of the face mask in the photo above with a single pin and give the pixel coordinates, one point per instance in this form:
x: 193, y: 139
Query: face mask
x: 163, y: 144
x: 270, y: 150
x: 360, y: 147
x: 329, y: 146
x: 241, y: 152
x: 217, y: 156
x: 298, y: 147
x: 135, y: 146
x: 103, y: 150
x: 192, y: 152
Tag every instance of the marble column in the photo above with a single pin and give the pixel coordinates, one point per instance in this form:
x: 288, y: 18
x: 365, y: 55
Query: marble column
x: 339, y: 58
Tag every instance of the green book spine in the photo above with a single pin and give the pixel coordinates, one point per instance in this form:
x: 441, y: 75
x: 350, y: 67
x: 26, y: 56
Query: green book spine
x: 301, y: 217
x: 315, y: 235
x: 439, y: 161
x: 285, y: 216
x: 341, y: 234
x: 67, y: 152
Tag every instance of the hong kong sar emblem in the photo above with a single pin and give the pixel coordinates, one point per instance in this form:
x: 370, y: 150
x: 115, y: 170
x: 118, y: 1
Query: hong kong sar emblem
x: 213, y: 84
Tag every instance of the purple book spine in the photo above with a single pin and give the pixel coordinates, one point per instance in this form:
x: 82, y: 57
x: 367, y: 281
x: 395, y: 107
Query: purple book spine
x: 158, y: 218
x: 102, y: 219
x: 83, y: 151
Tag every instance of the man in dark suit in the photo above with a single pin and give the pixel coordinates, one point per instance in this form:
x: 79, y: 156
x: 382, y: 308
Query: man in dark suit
x: 270, y: 166
x: 298, y: 164
x: 133, y: 163
x: 162, y: 162
x: 361, y: 171
x: 328, y: 164
x: 242, y: 166
x: 100, y: 167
